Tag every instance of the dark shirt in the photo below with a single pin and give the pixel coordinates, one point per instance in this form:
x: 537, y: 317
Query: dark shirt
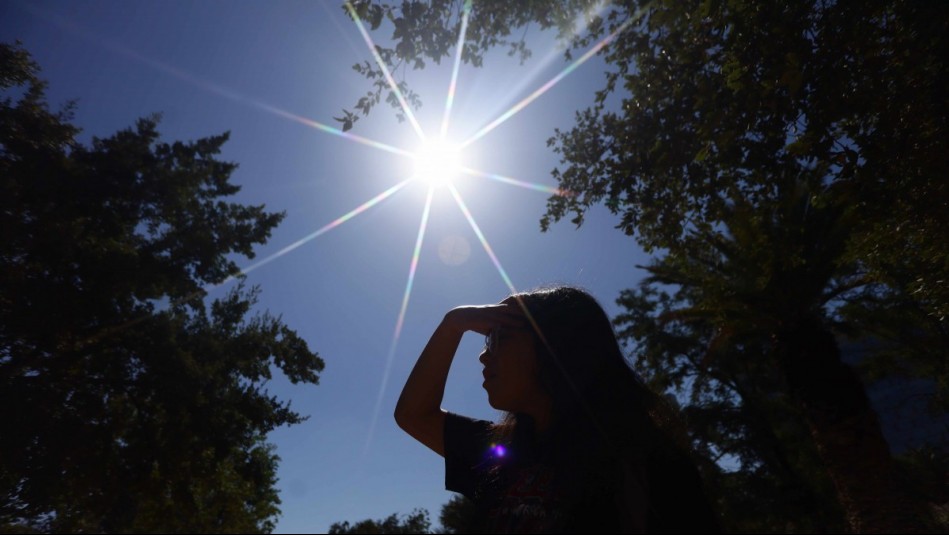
x: 517, y: 496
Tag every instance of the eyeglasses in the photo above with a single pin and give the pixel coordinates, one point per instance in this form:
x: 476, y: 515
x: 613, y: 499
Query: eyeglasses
x: 492, y: 339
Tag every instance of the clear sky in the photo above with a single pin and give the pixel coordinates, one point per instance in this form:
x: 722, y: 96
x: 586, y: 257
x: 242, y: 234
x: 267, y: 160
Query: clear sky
x: 262, y: 70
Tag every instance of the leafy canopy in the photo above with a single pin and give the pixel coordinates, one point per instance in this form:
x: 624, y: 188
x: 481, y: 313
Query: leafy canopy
x: 126, y: 403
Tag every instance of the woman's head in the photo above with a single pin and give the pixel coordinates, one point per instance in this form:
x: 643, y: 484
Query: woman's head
x: 601, y: 414
x: 563, y: 344
x: 567, y: 355
x: 579, y: 360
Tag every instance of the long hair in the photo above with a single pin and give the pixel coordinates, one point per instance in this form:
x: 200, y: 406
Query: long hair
x: 603, y: 414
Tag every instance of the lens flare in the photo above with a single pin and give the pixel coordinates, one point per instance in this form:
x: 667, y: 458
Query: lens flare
x: 326, y: 228
x: 205, y: 85
x: 515, y: 182
x: 450, y: 97
x: 481, y: 238
x: 550, y: 83
x: 331, y: 130
x: 413, y: 265
x: 385, y: 71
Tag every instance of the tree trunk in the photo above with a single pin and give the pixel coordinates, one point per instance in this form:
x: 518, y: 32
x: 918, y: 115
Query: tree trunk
x: 847, y: 433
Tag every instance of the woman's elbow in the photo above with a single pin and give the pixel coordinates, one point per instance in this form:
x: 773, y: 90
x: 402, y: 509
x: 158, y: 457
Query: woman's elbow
x: 400, y: 416
x: 403, y: 417
x: 412, y: 422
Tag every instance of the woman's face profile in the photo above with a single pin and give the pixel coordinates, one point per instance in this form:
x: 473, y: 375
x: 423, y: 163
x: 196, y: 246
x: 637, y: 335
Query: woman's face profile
x: 511, y: 369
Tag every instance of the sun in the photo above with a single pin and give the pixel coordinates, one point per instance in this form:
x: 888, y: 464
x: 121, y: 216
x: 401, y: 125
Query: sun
x: 437, y: 162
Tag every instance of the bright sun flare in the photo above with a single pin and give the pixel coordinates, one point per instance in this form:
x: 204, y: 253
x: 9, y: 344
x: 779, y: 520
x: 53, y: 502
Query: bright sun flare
x: 437, y: 162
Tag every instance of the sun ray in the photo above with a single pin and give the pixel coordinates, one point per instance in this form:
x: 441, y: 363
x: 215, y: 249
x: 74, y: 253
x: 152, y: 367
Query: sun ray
x: 400, y: 321
x: 385, y: 71
x: 331, y: 130
x: 481, y: 238
x: 323, y: 230
x: 550, y: 83
x: 413, y: 266
x: 450, y: 98
x: 107, y: 331
x: 515, y: 182
x: 200, y: 83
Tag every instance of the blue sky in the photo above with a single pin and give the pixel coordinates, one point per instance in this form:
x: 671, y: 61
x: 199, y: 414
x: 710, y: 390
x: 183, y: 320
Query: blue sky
x: 215, y: 66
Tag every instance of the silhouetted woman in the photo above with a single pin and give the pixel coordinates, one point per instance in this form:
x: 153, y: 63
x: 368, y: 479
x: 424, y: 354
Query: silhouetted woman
x: 581, y: 446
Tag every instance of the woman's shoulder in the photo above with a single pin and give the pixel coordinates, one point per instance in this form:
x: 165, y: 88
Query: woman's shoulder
x: 468, y: 438
x: 472, y: 428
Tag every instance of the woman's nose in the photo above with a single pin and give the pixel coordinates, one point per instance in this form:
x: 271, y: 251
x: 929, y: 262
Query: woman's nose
x: 483, y: 357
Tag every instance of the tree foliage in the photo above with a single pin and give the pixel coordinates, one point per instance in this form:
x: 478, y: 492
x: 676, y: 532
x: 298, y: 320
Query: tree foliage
x: 785, y: 162
x: 735, y: 419
x: 126, y: 403
x: 459, y: 515
x: 746, y: 329
x: 428, y: 31
x: 415, y: 522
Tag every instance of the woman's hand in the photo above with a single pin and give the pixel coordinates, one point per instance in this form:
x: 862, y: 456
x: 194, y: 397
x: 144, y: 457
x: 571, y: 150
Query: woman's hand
x: 482, y: 318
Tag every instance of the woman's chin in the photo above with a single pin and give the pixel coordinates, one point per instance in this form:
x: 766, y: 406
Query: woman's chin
x: 497, y: 403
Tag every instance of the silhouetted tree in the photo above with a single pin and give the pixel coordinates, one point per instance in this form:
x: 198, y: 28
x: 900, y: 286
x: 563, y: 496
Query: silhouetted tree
x: 126, y: 404
x: 459, y: 515
x: 749, y: 324
x: 416, y: 522
x: 712, y: 117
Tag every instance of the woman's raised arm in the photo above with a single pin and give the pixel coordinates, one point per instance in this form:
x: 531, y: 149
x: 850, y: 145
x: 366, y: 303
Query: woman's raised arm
x: 419, y: 412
